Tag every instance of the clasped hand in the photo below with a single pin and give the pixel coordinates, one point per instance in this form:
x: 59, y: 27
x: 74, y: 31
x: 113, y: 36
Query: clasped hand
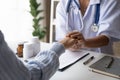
x: 80, y: 40
x: 73, y: 41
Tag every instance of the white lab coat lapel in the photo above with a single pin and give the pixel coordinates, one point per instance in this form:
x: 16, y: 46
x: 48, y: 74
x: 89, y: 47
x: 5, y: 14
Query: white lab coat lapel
x: 74, y: 19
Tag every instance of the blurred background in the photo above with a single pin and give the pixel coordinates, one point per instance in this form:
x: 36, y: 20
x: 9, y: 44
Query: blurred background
x: 17, y: 25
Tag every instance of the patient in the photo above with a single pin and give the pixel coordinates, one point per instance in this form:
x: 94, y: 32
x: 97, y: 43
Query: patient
x: 42, y: 67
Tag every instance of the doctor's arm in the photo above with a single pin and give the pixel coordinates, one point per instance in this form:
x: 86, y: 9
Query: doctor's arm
x: 94, y: 42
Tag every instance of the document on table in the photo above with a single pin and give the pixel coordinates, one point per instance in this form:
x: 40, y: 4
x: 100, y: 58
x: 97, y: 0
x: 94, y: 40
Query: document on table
x: 69, y: 58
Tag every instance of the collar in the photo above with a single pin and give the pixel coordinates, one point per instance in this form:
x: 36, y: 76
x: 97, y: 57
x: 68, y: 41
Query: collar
x: 91, y: 1
x: 66, y: 4
x: 94, y: 2
x: 72, y: 3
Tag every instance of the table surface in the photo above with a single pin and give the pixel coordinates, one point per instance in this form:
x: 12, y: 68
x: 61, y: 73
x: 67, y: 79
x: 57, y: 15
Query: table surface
x: 79, y: 71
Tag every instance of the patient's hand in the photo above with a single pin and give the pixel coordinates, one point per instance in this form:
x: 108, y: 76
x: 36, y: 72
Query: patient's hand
x: 68, y: 42
x: 76, y: 47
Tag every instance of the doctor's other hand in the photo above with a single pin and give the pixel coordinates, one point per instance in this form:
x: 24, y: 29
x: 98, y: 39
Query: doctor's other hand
x: 68, y: 42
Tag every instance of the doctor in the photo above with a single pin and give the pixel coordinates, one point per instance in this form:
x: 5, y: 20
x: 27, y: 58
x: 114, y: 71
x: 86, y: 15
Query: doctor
x: 97, y: 23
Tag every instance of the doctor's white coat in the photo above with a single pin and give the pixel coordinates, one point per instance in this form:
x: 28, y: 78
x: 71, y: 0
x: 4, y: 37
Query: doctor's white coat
x: 109, y: 21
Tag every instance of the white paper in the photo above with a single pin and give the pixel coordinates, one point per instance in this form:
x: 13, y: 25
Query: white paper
x: 70, y: 57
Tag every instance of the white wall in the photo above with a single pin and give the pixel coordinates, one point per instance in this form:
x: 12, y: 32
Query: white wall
x: 15, y: 20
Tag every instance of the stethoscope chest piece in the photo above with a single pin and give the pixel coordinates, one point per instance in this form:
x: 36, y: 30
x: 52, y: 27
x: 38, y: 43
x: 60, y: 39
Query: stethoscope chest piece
x: 94, y: 27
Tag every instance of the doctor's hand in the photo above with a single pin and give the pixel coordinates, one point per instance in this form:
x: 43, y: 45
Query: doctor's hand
x: 68, y: 42
x: 80, y: 40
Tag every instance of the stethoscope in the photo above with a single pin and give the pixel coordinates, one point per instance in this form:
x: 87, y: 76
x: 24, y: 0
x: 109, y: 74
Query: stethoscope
x: 94, y: 27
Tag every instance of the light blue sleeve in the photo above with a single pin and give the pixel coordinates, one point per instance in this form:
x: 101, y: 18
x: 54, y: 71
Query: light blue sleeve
x: 46, y: 63
x: 109, y: 23
x: 42, y: 67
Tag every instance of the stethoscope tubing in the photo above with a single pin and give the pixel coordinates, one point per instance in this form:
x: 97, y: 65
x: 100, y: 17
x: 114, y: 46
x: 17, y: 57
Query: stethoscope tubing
x: 97, y: 14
